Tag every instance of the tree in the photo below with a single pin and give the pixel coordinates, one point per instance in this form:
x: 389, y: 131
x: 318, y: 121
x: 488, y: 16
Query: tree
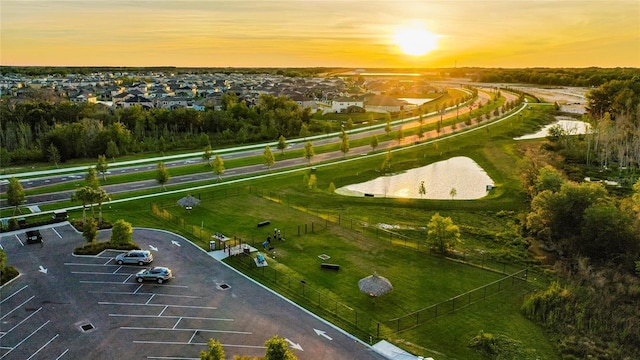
x: 453, y: 193
x: 332, y: 188
x: 370, y: 120
x: 548, y: 179
x: 349, y: 124
x: 121, y: 232
x: 442, y: 233
x: 313, y: 181
x: 344, y: 145
x: 420, y: 131
x: 100, y: 196
x: 54, y: 154
x: 269, y: 160
x: 112, y: 150
x: 102, y: 166
x: 282, y: 144
x: 84, y: 196
x: 90, y: 230
x: 218, y: 166
x: 215, y: 351
x: 387, y: 126
x: 206, y: 154
x: 386, y: 162
x: 162, y: 144
x: 399, y: 135
x: 15, y: 194
x: 162, y: 175
x: 91, y: 177
x: 608, y: 234
x: 374, y: 142
x: 308, y: 151
x: 278, y: 349
x: 421, y: 189
x: 304, y: 131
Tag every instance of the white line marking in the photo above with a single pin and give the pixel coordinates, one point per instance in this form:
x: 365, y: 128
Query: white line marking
x: 192, y: 336
x: 150, y: 298
x: 199, y: 344
x: 200, y: 330
x: 163, y: 305
x: 118, y: 269
x: 170, y: 317
x: 16, y: 308
x: 20, y: 241
x: 138, y: 288
x: 162, y: 312
x: 43, y: 346
x: 145, y: 294
x: 61, y: 355
x: 176, y: 324
x: 18, y: 324
x: 25, y: 339
x: 99, y: 273
x: 57, y: 233
x: 17, y: 291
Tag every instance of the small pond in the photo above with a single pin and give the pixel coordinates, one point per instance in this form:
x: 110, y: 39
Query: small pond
x: 460, y: 173
x: 572, y: 127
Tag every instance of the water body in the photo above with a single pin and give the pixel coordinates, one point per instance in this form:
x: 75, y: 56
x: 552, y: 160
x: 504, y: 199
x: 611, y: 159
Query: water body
x: 416, y: 101
x: 461, y: 173
x: 572, y: 127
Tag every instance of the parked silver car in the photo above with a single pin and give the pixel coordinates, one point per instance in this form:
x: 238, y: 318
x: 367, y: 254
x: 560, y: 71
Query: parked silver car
x: 159, y: 274
x: 140, y: 257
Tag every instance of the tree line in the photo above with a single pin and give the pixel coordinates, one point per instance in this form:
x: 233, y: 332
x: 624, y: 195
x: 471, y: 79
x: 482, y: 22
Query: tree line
x: 60, y: 131
x: 583, y: 77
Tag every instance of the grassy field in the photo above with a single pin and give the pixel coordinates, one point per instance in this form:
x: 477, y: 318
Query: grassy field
x: 419, y: 278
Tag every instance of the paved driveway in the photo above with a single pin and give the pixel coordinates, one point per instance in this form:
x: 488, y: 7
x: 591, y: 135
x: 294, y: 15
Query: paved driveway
x: 88, y: 307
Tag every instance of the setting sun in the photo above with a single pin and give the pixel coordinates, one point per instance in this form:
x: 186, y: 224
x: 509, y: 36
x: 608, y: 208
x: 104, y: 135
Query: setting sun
x: 415, y: 40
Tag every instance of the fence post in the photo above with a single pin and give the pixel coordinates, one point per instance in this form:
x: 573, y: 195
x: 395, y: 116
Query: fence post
x: 305, y: 228
x: 312, y: 227
x: 339, y: 219
x: 298, y: 230
x: 378, y: 334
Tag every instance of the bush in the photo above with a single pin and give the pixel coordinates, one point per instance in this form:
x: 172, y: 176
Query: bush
x: 97, y: 248
x: 8, y: 273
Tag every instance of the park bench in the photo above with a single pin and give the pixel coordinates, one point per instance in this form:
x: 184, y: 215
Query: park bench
x: 264, y: 223
x: 330, y: 266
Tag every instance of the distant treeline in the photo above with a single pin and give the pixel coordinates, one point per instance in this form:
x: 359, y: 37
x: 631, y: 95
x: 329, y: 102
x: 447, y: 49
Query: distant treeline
x: 584, y: 77
x: 87, y: 70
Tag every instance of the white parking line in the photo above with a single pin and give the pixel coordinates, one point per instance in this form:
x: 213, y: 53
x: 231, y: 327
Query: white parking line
x: 146, y: 294
x: 57, y: 233
x: 25, y: 339
x: 138, y: 288
x: 43, y: 346
x: 17, y: 291
x: 16, y: 308
x: 118, y: 269
x: 18, y: 324
x: 166, y: 305
x: 99, y: 273
x: 170, y: 317
x: 199, y: 330
x: 162, y: 312
x: 198, y: 344
x: 61, y: 355
x: 150, y: 298
x: 176, y: 324
x: 192, y: 336
x: 21, y: 243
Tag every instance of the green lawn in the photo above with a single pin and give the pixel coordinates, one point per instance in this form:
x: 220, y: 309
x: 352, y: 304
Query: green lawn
x: 419, y: 279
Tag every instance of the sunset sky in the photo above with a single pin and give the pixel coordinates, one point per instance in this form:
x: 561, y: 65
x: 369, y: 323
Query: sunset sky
x: 308, y: 33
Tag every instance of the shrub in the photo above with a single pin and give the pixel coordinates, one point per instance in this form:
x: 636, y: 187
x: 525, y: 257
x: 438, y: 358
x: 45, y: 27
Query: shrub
x: 97, y: 248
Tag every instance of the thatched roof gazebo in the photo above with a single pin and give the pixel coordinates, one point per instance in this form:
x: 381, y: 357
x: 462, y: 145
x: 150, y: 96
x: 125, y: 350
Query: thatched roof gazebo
x: 375, y: 285
x: 188, y: 202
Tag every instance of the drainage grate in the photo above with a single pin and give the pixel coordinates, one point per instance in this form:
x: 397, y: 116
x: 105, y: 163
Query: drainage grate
x: 224, y: 286
x: 87, y: 327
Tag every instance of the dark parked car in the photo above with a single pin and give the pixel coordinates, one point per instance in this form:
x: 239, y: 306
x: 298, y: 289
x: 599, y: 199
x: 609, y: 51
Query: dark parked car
x: 34, y: 237
x: 159, y: 274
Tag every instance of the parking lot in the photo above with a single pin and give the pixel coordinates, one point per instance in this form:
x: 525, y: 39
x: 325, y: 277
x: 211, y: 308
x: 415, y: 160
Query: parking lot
x: 71, y: 307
